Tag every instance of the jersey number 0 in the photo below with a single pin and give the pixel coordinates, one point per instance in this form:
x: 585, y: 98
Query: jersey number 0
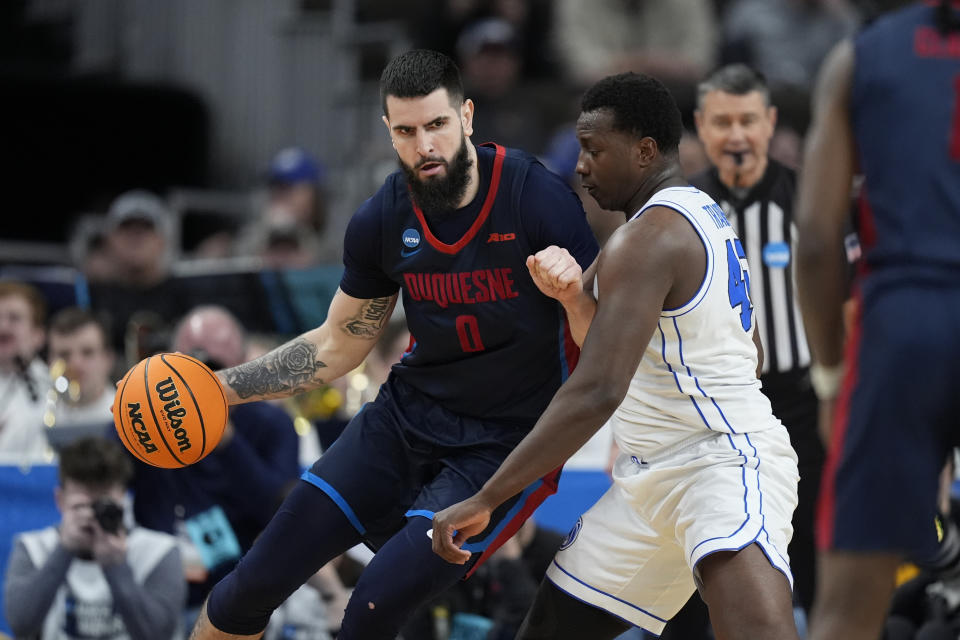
x: 469, y: 333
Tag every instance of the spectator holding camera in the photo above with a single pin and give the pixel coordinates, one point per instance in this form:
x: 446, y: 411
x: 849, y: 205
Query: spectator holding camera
x: 91, y: 577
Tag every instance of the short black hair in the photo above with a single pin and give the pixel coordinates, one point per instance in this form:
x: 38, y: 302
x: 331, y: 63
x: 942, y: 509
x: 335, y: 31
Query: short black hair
x: 95, y: 462
x: 736, y: 79
x: 418, y: 73
x: 641, y: 106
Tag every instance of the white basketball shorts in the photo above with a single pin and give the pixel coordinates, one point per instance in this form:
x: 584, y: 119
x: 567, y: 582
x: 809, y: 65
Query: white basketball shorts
x: 635, y: 552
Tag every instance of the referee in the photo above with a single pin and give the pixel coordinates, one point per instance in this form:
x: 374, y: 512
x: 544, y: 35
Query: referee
x: 735, y: 122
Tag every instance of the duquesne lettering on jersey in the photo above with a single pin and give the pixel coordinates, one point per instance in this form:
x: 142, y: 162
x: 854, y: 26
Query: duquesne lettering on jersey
x: 480, y: 325
x: 464, y: 287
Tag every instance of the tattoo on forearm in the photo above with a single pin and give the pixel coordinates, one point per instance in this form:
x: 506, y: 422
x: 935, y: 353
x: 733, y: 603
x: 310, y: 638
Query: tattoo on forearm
x: 285, y: 370
x: 369, y: 321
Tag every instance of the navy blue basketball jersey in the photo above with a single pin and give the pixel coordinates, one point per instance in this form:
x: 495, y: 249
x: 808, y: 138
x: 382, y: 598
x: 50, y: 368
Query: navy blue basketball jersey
x: 905, y: 106
x: 486, y: 342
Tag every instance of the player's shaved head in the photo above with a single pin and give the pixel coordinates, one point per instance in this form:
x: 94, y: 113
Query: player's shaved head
x: 419, y: 73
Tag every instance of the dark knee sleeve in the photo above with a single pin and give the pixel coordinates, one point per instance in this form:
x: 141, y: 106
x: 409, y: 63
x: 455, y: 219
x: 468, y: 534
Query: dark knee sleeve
x: 307, y: 531
x: 404, y: 574
x: 555, y: 615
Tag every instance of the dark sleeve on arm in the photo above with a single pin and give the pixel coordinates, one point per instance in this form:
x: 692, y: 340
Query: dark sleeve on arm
x: 152, y: 610
x: 553, y: 215
x: 363, y: 275
x: 29, y: 590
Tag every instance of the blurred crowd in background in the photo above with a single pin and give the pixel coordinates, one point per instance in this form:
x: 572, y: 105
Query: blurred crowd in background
x: 180, y: 175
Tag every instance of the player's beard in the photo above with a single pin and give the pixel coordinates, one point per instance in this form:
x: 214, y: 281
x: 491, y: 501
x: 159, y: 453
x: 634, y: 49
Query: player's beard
x: 440, y: 195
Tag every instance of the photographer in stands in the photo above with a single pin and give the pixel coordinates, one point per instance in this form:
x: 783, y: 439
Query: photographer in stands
x: 92, y: 576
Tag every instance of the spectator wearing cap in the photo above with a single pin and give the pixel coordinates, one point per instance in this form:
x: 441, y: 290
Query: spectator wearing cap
x: 143, y: 298
x: 295, y: 189
x: 138, y: 225
x: 289, y: 232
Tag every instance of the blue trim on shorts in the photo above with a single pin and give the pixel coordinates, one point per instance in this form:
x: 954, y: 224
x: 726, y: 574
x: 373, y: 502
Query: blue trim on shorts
x: 763, y: 550
x: 756, y: 454
x: 423, y: 513
x: 612, y: 597
x: 591, y: 604
x: 764, y: 520
x: 481, y: 545
x: 746, y: 509
x: 324, y: 486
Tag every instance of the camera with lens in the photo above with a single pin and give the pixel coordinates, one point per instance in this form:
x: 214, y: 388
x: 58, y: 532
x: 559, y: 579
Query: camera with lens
x: 109, y: 514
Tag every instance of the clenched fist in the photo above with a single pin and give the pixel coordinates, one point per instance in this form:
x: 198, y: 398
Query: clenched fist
x: 556, y: 273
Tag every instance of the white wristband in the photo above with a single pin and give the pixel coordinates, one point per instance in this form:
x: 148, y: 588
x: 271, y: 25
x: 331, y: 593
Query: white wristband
x: 826, y: 380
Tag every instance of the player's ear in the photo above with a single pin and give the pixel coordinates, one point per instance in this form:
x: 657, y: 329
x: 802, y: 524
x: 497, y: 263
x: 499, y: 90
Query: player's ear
x: 698, y: 121
x: 466, y: 117
x: 772, y: 117
x: 389, y: 131
x: 644, y: 151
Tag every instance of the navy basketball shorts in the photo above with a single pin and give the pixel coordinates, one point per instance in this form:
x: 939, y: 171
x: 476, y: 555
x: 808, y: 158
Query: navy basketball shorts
x: 895, y: 424
x: 404, y: 456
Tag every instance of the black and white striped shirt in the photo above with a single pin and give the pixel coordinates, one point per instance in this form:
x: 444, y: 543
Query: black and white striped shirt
x: 763, y: 219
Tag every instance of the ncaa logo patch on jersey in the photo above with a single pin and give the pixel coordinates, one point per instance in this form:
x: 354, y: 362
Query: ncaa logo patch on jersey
x: 776, y: 255
x: 411, y: 242
x: 572, y: 536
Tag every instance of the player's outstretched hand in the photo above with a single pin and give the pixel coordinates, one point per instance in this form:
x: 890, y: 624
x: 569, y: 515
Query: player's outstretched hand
x: 556, y: 273
x: 454, y: 525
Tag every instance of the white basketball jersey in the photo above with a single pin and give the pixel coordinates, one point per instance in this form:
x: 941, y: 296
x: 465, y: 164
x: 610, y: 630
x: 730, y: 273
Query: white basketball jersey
x: 698, y: 374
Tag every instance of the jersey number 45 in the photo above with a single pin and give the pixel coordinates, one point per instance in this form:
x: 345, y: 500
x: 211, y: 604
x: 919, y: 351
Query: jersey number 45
x: 738, y: 287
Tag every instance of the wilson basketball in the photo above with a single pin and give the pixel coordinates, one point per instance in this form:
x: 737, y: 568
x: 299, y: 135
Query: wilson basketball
x: 170, y: 410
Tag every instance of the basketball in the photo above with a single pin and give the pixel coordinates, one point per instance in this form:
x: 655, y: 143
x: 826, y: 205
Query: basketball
x: 170, y: 410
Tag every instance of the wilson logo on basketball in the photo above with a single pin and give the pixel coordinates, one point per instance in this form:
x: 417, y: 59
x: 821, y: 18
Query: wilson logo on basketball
x: 169, y: 395
x: 136, y: 419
